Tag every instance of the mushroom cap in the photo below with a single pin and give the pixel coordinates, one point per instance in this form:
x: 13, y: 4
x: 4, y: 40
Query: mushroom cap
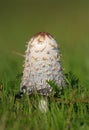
x: 42, y: 63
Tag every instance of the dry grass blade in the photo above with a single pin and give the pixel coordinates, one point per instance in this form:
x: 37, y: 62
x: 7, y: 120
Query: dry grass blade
x: 18, y: 53
x: 80, y: 100
x: 70, y: 109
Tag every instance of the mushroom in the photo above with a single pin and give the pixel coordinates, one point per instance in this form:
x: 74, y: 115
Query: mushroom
x: 42, y: 63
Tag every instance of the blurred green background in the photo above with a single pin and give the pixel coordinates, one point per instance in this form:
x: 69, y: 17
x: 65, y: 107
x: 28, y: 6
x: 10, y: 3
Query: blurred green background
x: 67, y: 21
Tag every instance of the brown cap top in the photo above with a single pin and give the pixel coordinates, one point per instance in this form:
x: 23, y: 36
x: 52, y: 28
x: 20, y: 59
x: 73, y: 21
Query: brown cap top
x: 43, y: 34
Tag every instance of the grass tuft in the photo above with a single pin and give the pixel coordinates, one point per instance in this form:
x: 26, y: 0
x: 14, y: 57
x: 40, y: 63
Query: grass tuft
x: 66, y: 110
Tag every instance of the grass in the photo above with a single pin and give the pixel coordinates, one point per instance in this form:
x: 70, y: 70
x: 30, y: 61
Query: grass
x: 68, y: 22
x: 68, y: 110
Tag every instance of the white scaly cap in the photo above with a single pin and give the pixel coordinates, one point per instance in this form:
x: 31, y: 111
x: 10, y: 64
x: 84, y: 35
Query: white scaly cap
x: 42, y: 63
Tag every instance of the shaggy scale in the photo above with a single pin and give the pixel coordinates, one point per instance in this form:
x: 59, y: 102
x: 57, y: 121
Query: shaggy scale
x: 42, y: 63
